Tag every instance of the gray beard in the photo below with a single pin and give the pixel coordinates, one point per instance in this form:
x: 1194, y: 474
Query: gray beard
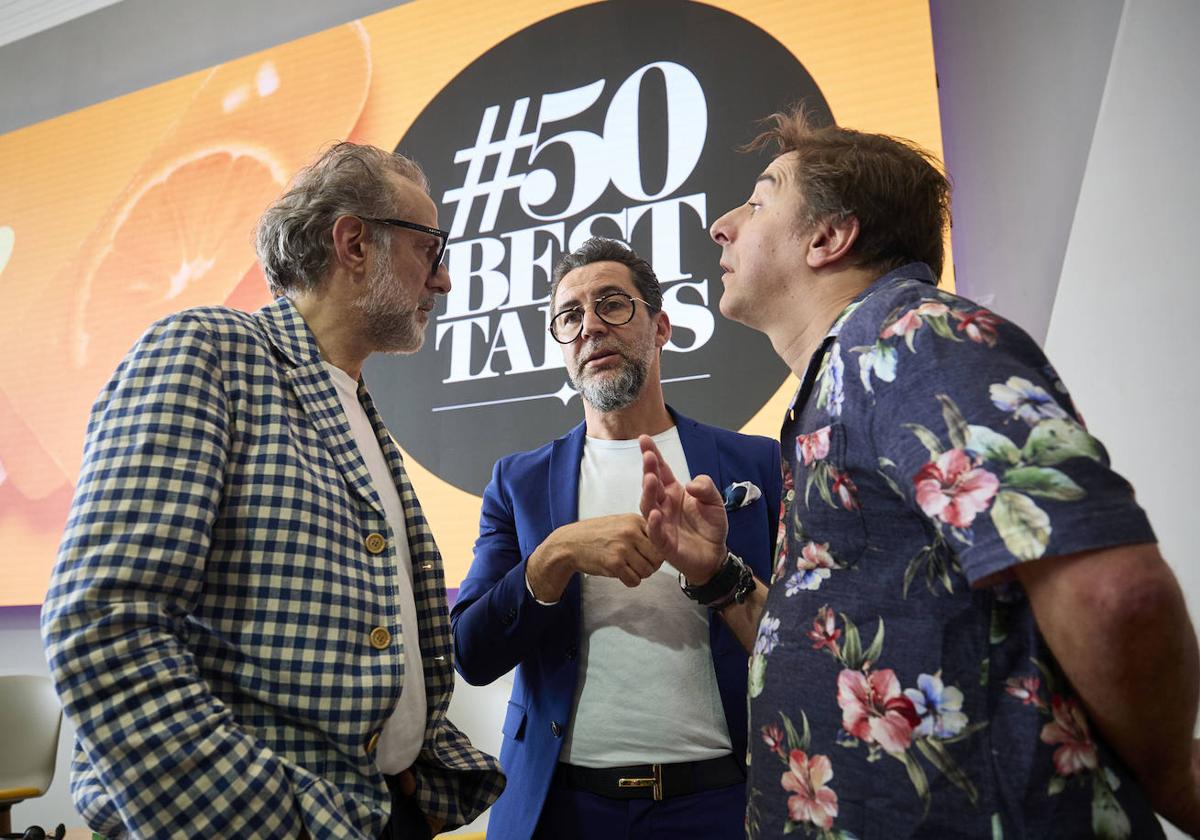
x: 388, y: 331
x: 612, y: 393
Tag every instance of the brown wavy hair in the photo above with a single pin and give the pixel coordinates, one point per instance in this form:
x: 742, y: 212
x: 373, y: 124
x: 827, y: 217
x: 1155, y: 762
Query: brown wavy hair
x: 898, y: 191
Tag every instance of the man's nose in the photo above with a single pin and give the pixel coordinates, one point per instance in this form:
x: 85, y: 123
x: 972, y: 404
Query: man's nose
x: 439, y: 280
x: 722, y: 229
x: 593, y: 324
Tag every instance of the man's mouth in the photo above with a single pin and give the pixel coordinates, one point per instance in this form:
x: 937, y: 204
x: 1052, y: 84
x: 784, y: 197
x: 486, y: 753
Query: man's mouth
x: 726, y: 268
x: 600, y: 356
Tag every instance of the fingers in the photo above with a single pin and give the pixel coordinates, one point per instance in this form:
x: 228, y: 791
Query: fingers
x: 703, y: 490
x: 652, y: 494
x: 659, y: 464
x: 656, y: 530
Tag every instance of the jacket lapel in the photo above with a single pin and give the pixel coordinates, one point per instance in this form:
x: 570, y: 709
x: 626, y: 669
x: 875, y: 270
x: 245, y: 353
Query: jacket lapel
x: 316, y: 394
x: 562, y: 494
x: 699, y: 447
x: 563, y: 491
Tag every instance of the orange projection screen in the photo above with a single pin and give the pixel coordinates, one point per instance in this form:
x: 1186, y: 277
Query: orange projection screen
x: 118, y: 214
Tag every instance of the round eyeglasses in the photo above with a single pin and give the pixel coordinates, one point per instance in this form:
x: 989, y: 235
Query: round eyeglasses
x: 615, y: 309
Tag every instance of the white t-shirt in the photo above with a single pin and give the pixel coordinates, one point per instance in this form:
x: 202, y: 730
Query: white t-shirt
x: 647, y: 692
x: 404, y: 731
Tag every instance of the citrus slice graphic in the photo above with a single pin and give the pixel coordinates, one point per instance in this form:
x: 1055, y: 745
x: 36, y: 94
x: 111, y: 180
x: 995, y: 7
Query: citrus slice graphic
x: 184, y: 238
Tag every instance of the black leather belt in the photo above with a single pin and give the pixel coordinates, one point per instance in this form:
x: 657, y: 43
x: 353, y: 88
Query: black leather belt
x: 653, y: 781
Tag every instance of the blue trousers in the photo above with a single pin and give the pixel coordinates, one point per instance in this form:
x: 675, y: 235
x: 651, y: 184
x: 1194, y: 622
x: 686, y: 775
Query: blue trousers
x: 571, y: 814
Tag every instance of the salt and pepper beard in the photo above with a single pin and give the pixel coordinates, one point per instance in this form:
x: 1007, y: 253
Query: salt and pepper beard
x: 613, y: 392
x: 389, y: 311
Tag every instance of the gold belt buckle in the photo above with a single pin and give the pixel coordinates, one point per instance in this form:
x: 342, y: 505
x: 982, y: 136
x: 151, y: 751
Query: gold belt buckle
x: 654, y: 782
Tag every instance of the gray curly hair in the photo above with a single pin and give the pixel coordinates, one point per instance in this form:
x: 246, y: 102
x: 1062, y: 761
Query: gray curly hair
x: 294, y: 239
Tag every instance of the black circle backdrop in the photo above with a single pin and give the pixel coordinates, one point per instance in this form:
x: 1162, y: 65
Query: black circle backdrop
x: 488, y: 382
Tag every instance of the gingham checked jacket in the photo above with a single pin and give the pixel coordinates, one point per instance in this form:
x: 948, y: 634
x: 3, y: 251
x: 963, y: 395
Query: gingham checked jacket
x: 213, y: 618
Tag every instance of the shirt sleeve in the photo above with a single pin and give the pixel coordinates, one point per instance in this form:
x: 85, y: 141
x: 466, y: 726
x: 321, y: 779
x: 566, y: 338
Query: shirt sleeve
x: 973, y: 427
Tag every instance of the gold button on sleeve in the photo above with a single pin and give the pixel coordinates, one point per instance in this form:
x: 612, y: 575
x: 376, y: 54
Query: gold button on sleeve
x: 376, y: 543
x: 380, y: 638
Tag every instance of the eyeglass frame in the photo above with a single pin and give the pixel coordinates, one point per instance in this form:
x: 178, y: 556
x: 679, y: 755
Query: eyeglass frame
x: 595, y: 303
x: 442, y: 235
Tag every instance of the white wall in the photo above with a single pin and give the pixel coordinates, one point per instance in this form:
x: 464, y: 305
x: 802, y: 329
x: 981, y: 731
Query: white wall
x: 1019, y: 84
x: 1121, y: 333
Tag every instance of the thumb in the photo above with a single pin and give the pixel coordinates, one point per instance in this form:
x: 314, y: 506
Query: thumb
x: 703, y: 490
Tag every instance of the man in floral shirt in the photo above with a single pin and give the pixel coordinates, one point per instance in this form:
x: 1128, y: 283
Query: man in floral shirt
x: 969, y: 630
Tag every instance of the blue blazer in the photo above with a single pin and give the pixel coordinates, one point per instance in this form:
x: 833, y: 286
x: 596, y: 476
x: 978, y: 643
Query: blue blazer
x: 498, y: 626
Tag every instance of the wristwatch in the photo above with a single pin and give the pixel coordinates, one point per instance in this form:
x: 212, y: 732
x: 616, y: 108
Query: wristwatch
x: 734, y: 581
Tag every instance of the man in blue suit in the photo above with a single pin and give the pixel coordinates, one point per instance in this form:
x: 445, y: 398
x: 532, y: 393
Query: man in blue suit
x: 628, y: 713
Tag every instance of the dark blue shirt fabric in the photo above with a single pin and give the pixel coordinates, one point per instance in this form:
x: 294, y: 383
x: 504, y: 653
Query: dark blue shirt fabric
x: 899, y: 686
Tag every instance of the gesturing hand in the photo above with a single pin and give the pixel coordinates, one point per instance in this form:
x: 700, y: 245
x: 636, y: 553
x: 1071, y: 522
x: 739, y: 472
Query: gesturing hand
x: 610, y: 546
x: 686, y: 523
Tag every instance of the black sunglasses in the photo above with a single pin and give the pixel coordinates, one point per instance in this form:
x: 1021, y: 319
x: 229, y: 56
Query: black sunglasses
x: 442, y: 235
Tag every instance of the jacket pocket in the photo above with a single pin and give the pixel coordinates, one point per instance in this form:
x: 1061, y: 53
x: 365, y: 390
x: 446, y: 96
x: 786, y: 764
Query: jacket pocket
x: 514, y: 722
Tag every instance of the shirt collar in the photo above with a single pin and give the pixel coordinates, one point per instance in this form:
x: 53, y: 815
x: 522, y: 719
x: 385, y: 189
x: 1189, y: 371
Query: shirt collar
x: 911, y: 271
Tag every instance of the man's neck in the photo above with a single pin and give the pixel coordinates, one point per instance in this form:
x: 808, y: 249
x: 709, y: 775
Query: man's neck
x: 804, y: 319
x: 647, y: 415
x: 335, y: 333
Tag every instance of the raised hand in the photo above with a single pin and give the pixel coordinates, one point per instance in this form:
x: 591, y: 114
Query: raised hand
x: 685, y: 523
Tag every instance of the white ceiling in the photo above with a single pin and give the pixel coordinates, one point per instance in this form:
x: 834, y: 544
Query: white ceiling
x: 22, y: 18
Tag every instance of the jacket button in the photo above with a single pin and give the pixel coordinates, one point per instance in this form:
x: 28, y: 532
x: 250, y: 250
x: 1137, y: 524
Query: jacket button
x: 380, y: 638
x: 376, y: 543
x: 556, y: 728
x: 572, y: 652
x: 373, y: 743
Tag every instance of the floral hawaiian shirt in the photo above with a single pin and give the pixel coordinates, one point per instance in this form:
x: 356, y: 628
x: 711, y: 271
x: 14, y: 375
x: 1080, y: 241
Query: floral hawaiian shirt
x: 930, y: 448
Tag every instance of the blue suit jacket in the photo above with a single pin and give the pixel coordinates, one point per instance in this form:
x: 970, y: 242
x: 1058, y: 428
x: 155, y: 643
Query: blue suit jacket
x: 499, y: 626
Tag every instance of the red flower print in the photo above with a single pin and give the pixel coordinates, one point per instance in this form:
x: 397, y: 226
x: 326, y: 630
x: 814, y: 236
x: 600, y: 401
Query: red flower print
x: 907, y: 323
x: 825, y: 632
x: 811, y: 801
x: 846, y: 490
x: 815, y: 556
x: 773, y: 737
x: 875, y: 710
x: 910, y: 321
x: 1069, y: 729
x: 953, y: 489
x: 813, y: 446
x: 1025, y: 689
x: 979, y: 326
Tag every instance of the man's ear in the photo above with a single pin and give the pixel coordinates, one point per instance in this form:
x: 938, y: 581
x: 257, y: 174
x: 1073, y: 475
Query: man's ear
x: 831, y: 240
x: 662, y: 328
x: 350, y: 243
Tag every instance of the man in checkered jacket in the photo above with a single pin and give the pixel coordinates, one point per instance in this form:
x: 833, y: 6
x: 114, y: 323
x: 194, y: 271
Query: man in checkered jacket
x: 247, y: 620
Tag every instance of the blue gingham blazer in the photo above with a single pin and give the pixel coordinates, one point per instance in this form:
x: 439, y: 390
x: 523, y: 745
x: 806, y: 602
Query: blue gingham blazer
x: 213, y: 620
